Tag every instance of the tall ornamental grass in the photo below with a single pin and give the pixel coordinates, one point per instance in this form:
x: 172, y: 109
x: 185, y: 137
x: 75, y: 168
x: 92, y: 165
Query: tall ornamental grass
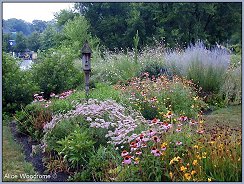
x: 113, y: 67
x: 206, y: 67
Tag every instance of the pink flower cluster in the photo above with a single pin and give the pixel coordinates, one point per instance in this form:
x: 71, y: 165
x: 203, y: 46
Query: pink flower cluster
x: 119, y: 122
x: 65, y: 94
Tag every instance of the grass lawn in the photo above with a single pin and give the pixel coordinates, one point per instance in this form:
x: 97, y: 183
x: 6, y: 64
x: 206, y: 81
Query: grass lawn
x: 226, y: 116
x: 14, y: 163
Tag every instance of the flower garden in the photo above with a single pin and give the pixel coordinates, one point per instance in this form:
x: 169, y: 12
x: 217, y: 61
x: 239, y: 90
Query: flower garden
x: 141, y: 124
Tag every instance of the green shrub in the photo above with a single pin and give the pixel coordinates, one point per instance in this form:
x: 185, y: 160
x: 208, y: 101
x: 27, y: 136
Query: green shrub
x: 18, y: 87
x: 56, y: 72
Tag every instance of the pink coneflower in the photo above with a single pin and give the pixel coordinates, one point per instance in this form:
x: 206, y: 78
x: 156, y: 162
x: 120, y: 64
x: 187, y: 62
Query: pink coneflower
x: 163, y: 148
x: 178, y: 143
x: 182, y: 118
x: 138, y: 152
x: 35, y: 95
x: 143, y: 145
x: 155, y: 121
x: 178, y: 130
x: 127, y: 159
x: 52, y: 95
x: 124, y: 153
x: 46, y: 106
x: 133, y: 146
x: 151, y: 133
x: 179, y: 124
x: 193, y: 122
x: 153, y: 150
x: 200, y: 131
x: 157, y: 153
x: 155, y: 139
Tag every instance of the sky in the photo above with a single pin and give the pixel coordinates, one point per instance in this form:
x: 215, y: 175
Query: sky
x: 33, y: 11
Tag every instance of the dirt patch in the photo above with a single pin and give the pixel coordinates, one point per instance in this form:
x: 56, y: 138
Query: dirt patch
x: 36, y: 159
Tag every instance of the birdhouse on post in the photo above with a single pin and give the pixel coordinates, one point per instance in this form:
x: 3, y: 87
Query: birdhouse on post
x: 86, y: 65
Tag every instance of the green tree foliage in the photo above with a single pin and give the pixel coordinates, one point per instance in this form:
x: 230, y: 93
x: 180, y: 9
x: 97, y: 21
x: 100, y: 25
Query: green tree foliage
x: 6, y: 46
x: 116, y: 23
x: 18, y: 88
x: 33, y: 41
x: 17, y: 25
x: 39, y: 25
x: 49, y: 38
x: 75, y: 33
x: 21, y: 42
x: 64, y: 16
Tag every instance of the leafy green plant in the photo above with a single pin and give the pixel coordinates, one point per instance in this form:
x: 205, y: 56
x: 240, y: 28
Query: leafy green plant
x: 59, y: 132
x: 32, y: 119
x: 101, y: 166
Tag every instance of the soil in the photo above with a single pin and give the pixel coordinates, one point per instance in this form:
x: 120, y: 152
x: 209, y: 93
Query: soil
x: 36, y: 159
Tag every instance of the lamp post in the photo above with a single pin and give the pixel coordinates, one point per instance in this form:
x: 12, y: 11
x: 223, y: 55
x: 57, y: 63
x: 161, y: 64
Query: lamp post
x: 86, y: 65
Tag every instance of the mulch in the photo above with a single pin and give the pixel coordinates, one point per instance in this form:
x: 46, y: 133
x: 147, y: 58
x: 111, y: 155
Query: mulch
x: 36, y: 159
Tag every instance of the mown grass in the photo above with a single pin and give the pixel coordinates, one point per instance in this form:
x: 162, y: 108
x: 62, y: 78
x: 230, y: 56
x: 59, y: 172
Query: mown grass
x: 13, y: 159
x: 230, y: 115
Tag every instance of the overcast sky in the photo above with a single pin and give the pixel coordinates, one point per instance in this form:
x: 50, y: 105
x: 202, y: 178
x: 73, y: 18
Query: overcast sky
x: 33, y: 11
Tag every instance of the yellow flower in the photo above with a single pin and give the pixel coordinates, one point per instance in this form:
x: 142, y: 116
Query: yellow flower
x: 209, y: 179
x: 164, y: 144
x: 198, y: 156
x: 187, y: 176
x: 194, y: 162
x: 193, y: 172
x: 175, y: 159
x: 182, y: 168
x: 204, y: 155
x: 192, y: 106
x: 196, y: 146
x: 171, y: 175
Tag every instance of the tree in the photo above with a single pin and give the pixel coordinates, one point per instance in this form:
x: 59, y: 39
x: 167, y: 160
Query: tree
x: 49, y: 38
x: 6, y: 45
x: 17, y: 25
x: 34, y: 41
x: 182, y: 23
x: 64, y: 16
x: 76, y: 33
x: 39, y: 26
x: 21, y: 42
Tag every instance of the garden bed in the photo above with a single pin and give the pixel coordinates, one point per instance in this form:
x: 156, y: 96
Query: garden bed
x: 35, y: 159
